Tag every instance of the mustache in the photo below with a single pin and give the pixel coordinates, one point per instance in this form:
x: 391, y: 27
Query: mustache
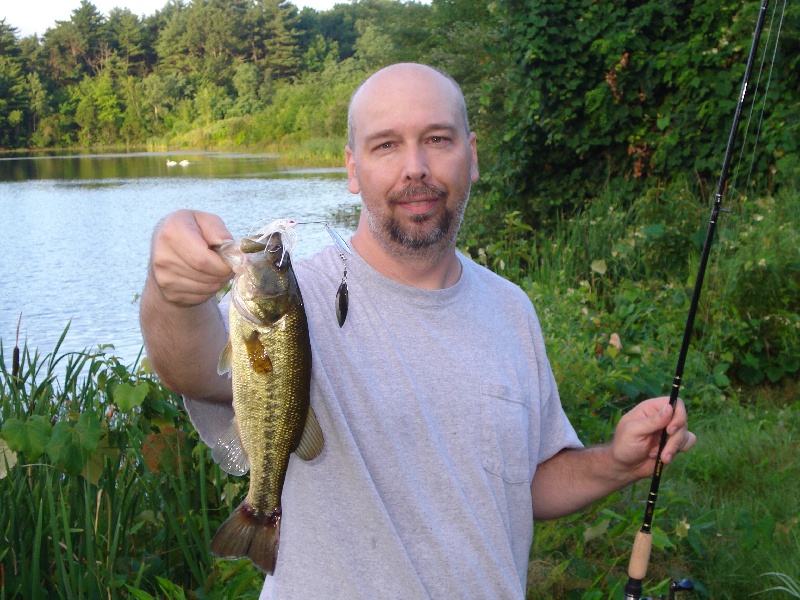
x: 418, y: 189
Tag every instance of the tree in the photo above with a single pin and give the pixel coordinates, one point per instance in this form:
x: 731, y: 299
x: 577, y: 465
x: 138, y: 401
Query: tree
x: 205, y: 39
x: 252, y: 89
x: 89, y: 25
x: 8, y: 40
x: 38, y: 98
x: 275, y: 26
x: 63, y: 48
x: 320, y: 53
x: 374, y: 49
x: 99, y: 110
x: 13, y: 91
x: 78, y: 46
x: 126, y: 34
x: 162, y: 94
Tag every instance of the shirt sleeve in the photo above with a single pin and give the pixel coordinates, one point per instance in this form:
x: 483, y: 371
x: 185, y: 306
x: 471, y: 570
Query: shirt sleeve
x: 555, y: 432
x: 211, y: 419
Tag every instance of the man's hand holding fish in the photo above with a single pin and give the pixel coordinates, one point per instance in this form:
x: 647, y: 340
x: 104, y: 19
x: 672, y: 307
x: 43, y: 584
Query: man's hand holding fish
x: 181, y: 324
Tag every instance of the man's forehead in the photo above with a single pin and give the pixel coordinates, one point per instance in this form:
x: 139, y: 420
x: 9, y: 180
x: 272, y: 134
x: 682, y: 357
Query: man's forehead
x: 397, y: 91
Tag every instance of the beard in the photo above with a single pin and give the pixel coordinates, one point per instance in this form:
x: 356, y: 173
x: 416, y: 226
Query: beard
x: 424, y: 233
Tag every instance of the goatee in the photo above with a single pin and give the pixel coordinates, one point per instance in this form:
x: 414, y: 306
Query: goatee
x: 416, y: 240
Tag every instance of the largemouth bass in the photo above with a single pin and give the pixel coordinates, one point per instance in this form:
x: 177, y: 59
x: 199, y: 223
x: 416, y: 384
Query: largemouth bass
x: 268, y: 357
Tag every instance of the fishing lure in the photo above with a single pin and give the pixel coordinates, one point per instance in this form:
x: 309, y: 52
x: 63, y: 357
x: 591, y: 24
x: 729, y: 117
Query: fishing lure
x: 342, y: 301
x: 342, y: 295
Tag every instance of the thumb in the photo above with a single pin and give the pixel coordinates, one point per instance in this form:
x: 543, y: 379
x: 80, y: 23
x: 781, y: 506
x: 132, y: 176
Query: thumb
x: 659, y: 419
x: 651, y: 423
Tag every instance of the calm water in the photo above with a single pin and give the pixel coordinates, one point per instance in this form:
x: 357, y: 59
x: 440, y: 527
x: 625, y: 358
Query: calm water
x: 76, y: 231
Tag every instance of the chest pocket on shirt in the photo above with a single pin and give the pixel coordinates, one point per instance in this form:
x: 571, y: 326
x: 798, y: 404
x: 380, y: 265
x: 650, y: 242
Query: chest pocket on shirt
x: 505, y: 424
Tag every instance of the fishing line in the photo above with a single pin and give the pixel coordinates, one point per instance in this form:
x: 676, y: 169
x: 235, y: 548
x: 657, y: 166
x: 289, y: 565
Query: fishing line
x: 724, y: 279
x: 640, y: 554
x: 766, y: 90
x: 720, y: 278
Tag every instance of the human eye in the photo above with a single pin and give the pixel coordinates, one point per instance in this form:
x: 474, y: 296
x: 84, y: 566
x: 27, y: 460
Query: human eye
x: 438, y: 139
x: 383, y: 146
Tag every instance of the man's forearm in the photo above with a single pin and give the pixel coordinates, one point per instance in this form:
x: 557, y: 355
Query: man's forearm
x: 183, y: 344
x: 573, y: 479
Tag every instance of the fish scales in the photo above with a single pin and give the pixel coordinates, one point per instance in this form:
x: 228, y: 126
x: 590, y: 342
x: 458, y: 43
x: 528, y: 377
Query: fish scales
x: 271, y: 407
x: 269, y: 359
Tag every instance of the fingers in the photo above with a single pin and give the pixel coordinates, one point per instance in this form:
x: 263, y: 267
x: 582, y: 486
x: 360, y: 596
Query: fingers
x: 674, y: 421
x: 650, y: 416
x: 680, y: 438
x: 182, y: 263
x: 639, y: 432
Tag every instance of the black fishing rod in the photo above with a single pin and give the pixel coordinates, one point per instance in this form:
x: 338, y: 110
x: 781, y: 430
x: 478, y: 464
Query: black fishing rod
x: 640, y: 555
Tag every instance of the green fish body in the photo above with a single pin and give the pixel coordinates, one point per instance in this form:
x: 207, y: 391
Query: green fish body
x: 269, y: 359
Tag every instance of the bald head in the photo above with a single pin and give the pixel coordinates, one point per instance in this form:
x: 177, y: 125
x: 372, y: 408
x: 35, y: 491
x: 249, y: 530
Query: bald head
x: 406, y: 77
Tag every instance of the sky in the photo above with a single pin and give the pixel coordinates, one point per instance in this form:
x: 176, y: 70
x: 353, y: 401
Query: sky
x: 35, y: 16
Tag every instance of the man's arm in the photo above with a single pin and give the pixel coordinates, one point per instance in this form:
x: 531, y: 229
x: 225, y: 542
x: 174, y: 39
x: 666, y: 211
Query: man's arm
x: 182, y: 327
x: 573, y: 479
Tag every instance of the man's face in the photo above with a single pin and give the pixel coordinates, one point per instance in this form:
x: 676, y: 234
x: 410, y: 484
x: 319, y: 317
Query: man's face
x: 413, y: 160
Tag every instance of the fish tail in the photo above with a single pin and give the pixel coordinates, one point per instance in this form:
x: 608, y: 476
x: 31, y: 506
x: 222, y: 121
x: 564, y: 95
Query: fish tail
x: 246, y: 534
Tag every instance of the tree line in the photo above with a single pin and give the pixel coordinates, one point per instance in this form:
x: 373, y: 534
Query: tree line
x: 568, y: 97
x: 124, y: 79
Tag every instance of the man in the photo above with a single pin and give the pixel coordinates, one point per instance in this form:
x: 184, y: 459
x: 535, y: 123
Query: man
x: 444, y: 433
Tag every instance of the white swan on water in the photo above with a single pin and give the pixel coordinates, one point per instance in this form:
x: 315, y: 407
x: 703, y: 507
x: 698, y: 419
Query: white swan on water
x: 171, y: 163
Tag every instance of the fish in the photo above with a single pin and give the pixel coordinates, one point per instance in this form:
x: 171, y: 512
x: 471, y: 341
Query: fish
x: 268, y: 357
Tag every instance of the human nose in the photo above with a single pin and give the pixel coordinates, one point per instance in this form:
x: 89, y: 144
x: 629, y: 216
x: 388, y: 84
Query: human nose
x: 416, y: 164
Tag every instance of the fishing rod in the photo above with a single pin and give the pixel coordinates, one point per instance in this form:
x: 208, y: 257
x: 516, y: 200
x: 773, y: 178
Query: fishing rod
x: 640, y: 555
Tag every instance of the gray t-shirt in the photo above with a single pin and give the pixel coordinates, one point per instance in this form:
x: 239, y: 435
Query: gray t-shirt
x: 436, y: 407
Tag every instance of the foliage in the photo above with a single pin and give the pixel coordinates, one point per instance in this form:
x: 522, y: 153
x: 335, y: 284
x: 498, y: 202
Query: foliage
x: 107, y: 491
x: 631, y: 272
x: 616, y: 95
x: 789, y: 585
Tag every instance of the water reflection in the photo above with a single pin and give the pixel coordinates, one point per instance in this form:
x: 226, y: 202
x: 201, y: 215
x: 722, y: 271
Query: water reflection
x: 177, y: 164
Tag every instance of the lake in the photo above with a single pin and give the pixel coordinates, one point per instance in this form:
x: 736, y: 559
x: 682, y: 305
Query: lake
x: 76, y: 232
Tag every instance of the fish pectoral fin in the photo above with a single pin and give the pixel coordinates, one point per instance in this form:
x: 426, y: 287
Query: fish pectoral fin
x: 228, y: 452
x: 258, y: 355
x: 312, y: 441
x: 225, y: 358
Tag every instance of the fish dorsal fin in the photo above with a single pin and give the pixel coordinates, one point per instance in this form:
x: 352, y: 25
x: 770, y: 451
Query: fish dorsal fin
x: 228, y: 452
x: 312, y: 441
x: 225, y: 358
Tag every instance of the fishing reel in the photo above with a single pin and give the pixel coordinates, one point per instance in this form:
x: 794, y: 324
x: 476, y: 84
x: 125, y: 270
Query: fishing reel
x: 684, y: 585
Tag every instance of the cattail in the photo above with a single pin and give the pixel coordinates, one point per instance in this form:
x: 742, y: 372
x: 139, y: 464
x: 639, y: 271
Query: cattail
x: 15, y: 356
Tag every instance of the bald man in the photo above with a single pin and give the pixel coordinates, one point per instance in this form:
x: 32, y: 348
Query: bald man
x: 444, y: 433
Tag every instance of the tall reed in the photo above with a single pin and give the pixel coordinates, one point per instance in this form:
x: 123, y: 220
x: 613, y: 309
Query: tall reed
x: 106, y: 490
